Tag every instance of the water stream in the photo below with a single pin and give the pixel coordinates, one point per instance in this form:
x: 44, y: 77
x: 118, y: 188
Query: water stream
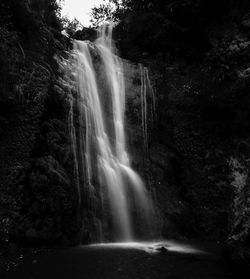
x: 99, y: 146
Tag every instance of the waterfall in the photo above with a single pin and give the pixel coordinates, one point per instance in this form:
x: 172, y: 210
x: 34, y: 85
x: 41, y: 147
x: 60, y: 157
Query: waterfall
x: 72, y: 132
x: 99, y: 146
x: 147, y: 91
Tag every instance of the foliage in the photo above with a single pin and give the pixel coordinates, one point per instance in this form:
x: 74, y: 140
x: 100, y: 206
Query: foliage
x: 101, y: 14
x: 71, y: 26
x: 33, y: 140
x: 175, y: 27
x: 114, y: 10
x: 28, y: 16
x: 9, y: 59
x: 199, y: 53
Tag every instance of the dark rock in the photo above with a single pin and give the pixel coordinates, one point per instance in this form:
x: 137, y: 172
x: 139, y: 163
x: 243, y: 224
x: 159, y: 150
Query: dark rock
x: 246, y: 24
x: 86, y: 34
x: 163, y: 249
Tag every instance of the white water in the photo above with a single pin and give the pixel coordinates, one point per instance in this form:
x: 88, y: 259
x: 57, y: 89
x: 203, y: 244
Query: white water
x: 151, y: 247
x: 72, y: 132
x: 146, y: 92
x: 101, y: 136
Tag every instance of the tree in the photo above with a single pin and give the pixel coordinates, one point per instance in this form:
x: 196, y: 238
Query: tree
x: 71, y: 26
x: 102, y: 13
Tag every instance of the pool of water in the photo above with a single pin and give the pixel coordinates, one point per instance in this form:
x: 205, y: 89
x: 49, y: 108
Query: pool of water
x: 125, y: 260
x: 151, y: 246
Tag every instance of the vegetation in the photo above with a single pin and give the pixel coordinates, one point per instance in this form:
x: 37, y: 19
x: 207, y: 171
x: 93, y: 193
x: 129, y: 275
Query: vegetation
x: 198, y: 52
x: 37, y: 201
x: 198, y: 56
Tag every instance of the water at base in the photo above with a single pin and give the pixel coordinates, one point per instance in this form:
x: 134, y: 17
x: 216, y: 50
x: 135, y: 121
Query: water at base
x: 151, y: 247
x: 101, y: 138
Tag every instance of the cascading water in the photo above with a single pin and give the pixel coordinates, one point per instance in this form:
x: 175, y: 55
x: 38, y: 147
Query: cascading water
x: 146, y: 87
x: 99, y: 146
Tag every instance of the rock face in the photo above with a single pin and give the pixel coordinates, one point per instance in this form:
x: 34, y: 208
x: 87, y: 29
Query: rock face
x: 35, y: 174
x: 238, y: 242
x: 37, y: 201
x: 158, y: 162
x: 199, y: 146
x: 197, y: 161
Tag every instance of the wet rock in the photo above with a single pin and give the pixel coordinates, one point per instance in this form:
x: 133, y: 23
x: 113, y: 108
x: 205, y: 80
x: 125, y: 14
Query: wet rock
x: 245, y: 24
x: 238, y: 244
x: 163, y: 249
x: 46, y: 215
x: 244, y: 73
x: 13, y: 247
x: 89, y: 34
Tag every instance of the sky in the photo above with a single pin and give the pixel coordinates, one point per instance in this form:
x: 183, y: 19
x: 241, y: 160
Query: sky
x: 80, y: 9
